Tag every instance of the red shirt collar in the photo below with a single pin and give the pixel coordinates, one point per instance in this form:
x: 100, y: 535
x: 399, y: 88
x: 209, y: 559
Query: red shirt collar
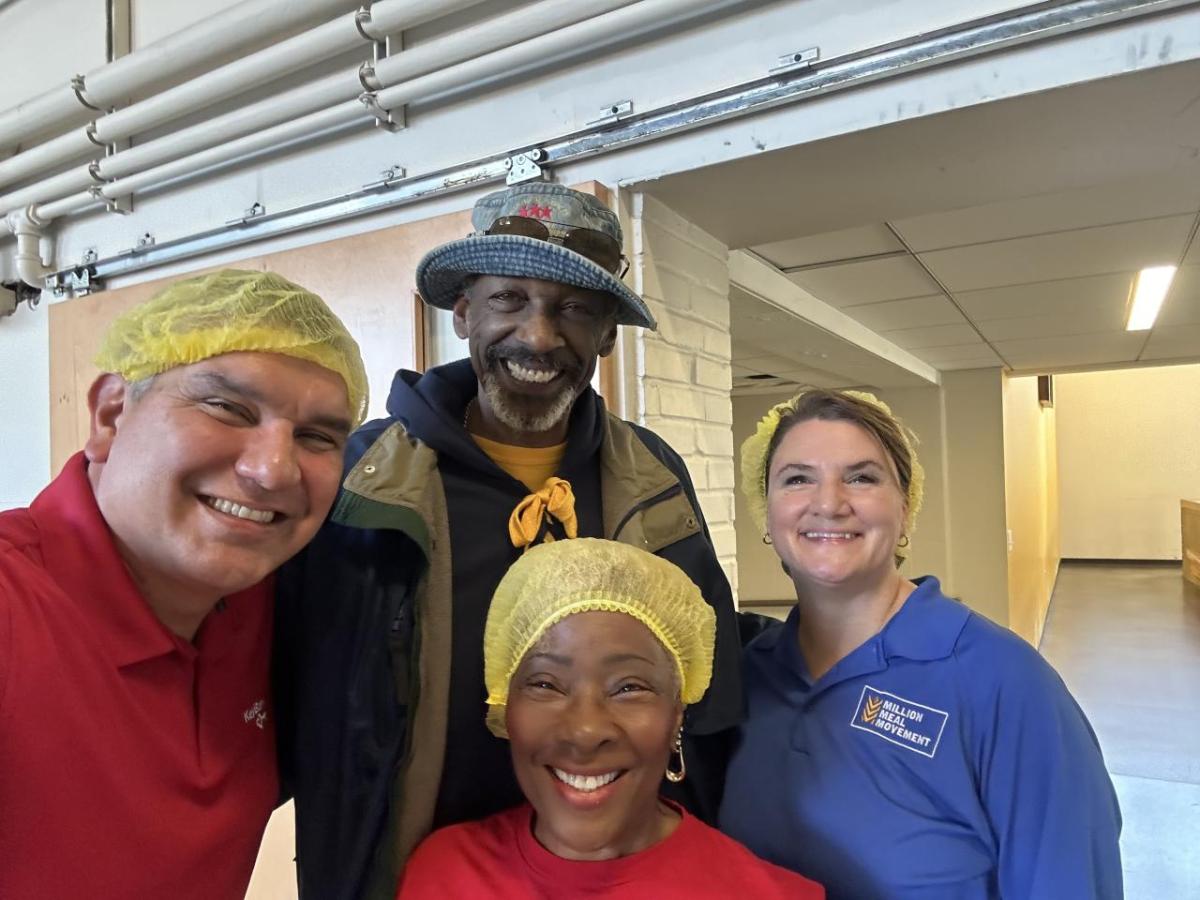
x: 79, y: 553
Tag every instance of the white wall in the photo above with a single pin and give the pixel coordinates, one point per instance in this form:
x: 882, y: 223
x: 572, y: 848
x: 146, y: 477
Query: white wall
x: 976, y: 501
x: 24, y: 406
x: 1031, y: 506
x: 31, y: 28
x: 683, y: 368
x: 1128, y: 452
x: 153, y: 20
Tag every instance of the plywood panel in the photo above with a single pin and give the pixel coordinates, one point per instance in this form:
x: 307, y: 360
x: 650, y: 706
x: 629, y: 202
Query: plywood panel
x: 76, y: 327
x: 1189, y: 514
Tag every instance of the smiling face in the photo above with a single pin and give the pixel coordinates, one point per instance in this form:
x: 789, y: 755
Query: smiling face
x: 216, y: 474
x: 592, y: 712
x: 533, y: 346
x: 835, y: 510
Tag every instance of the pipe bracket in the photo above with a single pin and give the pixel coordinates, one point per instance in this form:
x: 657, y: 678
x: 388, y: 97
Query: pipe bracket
x: 122, y: 204
x: 387, y: 178
x: 383, y: 117
x: 791, y: 62
x: 80, y: 90
x: 393, y: 119
x: 256, y: 211
x: 362, y: 19
x: 119, y: 205
x: 614, y: 113
x: 524, y: 166
x: 145, y: 242
x: 77, y: 282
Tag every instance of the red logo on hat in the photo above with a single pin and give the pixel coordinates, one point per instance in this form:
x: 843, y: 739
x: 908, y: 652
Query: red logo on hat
x: 535, y: 211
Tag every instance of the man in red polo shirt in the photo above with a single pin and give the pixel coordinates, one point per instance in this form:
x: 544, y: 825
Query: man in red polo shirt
x: 137, y: 755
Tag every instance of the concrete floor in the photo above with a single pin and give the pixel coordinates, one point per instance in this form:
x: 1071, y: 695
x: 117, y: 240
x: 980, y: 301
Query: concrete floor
x: 1126, y: 639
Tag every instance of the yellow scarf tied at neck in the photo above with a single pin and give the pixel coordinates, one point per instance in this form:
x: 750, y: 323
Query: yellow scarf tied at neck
x: 555, y: 497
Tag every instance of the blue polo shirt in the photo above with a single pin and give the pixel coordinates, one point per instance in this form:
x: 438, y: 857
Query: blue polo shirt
x: 943, y: 758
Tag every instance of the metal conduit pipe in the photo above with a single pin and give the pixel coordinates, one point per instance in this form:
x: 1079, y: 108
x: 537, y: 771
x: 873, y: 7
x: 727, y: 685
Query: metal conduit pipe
x: 50, y: 188
x: 525, y: 22
x: 64, y: 207
x: 308, y: 48
x: 63, y: 148
x: 325, y: 41
x: 388, y: 18
x: 61, y: 105
x: 621, y: 24
x: 233, y: 28
x: 307, y: 98
x: 129, y: 167
x: 238, y: 26
x: 305, y: 127
x: 297, y: 52
x: 300, y: 101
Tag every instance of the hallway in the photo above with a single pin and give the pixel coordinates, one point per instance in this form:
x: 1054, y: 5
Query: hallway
x: 1126, y: 639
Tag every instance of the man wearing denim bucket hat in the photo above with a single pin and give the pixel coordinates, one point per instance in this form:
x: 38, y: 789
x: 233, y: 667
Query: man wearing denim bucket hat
x: 478, y: 460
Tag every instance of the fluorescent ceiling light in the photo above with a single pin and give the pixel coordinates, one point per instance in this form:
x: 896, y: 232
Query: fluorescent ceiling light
x: 1148, y: 294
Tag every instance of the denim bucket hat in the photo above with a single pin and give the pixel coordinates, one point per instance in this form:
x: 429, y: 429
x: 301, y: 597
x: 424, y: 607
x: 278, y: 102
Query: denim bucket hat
x: 441, y: 271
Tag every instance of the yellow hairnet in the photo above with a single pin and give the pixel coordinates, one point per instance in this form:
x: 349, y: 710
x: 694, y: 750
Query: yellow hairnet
x: 229, y: 311
x: 553, y: 581
x: 754, y: 462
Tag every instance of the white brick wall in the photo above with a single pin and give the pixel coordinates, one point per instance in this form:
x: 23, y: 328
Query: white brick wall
x: 683, y: 370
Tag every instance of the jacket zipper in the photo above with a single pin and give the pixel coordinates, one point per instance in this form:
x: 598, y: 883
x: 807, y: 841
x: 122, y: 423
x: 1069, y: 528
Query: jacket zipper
x: 657, y: 498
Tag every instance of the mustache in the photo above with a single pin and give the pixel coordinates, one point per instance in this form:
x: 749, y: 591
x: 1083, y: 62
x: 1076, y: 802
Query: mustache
x: 524, y: 357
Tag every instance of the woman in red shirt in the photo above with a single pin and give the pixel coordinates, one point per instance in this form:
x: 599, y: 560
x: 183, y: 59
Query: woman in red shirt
x: 592, y: 649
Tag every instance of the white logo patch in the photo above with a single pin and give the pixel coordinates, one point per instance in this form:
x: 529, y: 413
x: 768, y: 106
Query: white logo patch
x: 898, y: 721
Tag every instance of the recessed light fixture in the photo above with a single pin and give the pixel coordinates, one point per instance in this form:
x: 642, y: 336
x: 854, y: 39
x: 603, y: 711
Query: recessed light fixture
x: 1148, y: 293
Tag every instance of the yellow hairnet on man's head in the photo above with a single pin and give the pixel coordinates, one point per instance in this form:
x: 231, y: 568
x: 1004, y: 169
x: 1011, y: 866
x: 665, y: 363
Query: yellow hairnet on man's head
x: 555, y: 580
x: 231, y: 311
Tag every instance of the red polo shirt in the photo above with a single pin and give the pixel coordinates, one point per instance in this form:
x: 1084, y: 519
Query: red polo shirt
x: 133, y: 764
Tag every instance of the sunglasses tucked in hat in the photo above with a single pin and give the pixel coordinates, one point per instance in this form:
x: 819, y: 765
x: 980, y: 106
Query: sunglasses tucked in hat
x: 536, y: 230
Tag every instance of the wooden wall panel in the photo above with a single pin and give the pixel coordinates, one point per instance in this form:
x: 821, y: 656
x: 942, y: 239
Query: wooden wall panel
x: 76, y: 327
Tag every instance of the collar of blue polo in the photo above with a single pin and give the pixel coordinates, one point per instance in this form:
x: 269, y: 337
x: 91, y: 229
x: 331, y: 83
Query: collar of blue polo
x: 926, y: 628
x: 928, y: 624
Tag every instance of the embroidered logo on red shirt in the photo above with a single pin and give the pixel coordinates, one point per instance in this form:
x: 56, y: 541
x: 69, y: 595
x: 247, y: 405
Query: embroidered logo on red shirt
x: 257, y: 713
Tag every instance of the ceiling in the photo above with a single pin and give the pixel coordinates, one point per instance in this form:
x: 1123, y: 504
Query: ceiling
x: 1006, y: 234
x: 773, y: 350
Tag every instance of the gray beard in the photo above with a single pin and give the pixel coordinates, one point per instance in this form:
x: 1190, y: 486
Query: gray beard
x: 512, y: 418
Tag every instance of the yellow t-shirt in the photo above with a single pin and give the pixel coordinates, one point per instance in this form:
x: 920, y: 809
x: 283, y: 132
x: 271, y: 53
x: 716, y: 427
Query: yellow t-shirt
x: 529, y: 465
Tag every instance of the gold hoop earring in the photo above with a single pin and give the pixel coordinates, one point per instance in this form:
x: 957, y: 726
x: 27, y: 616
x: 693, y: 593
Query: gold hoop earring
x: 903, y: 542
x: 767, y: 539
x: 676, y: 776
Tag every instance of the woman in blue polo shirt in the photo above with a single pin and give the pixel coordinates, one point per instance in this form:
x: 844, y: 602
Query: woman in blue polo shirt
x: 897, y: 744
